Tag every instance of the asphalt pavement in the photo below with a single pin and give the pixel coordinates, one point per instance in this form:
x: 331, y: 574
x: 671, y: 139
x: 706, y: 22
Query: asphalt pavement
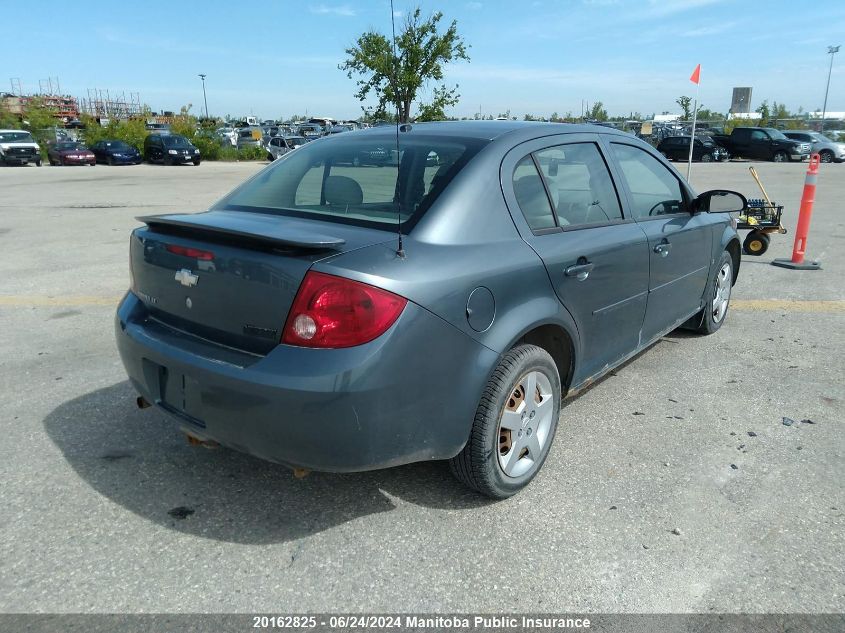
x: 705, y: 475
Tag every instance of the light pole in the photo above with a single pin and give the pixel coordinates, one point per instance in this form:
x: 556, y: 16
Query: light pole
x: 205, y: 100
x: 831, y: 50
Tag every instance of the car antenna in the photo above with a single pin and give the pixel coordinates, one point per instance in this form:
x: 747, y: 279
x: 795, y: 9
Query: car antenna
x: 400, y: 251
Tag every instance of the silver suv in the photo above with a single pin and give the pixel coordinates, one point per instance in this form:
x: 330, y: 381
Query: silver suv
x: 829, y: 151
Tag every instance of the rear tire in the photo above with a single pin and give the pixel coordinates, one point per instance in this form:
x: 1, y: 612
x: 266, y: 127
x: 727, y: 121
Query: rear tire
x: 110, y: 161
x: 514, y: 424
x: 719, y: 290
x: 196, y: 162
x: 706, y: 158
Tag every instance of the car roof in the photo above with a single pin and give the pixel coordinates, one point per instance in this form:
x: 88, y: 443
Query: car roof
x: 492, y: 130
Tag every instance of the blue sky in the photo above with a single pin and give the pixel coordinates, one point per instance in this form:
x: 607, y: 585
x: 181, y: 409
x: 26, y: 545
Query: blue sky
x: 276, y: 58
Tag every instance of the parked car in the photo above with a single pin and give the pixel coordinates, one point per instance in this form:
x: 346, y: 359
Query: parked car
x: 70, y: 153
x: 249, y: 137
x: 17, y: 147
x: 227, y: 136
x: 115, y: 152
x: 763, y: 143
x: 829, y: 151
x: 281, y: 145
x: 290, y: 320
x: 310, y: 131
x: 705, y: 149
x: 172, y: 149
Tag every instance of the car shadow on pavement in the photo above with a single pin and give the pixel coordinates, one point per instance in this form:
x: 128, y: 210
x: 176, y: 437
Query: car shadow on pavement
x: 140, y: 460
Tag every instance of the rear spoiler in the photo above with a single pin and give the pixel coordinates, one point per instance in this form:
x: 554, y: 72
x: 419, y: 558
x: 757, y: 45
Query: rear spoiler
x: 267, y: 229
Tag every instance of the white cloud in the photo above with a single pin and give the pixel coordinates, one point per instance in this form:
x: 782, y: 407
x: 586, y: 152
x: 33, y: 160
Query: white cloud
x: 669, y: 7
x: 474, y: 6
x: 343, y: 10
x: 703, y: 31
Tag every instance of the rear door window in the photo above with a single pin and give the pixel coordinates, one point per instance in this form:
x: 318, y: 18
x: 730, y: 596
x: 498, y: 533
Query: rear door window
x: 579, y: 184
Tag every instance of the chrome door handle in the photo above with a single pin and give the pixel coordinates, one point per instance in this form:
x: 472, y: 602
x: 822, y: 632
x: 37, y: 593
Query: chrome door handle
x: 579, y: 271
x: 663, y: 249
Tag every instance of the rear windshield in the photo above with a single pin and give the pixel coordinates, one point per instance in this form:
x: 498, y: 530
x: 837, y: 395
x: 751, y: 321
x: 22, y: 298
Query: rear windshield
x: 356, y: 179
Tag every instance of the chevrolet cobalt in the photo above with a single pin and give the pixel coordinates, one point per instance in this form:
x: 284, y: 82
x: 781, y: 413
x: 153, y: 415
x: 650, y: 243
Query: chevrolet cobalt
x: 336, y: 316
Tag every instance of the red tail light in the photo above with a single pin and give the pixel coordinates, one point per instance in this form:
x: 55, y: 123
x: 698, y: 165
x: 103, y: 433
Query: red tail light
x: 190, y: 252
x: 331, y: 311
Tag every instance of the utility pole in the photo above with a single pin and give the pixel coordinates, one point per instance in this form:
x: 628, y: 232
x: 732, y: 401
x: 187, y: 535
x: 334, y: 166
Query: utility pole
x: 831, y: 50
x: 205, y: 100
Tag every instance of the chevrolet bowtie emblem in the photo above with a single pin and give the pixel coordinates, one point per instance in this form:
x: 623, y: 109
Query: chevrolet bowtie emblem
x: 186, y: 278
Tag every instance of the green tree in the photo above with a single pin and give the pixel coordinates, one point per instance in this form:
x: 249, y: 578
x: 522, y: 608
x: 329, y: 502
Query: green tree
x: 8, y: 120
x: 686, y: 105
x: 422, y: 53
x: 780, y: 111
x: 706, y: 114
x: 765, y: 112
x: 40, y: 120
x: 597, y: 112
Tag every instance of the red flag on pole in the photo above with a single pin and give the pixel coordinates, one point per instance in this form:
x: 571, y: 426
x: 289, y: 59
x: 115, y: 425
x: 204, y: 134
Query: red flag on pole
x: 696, y: 75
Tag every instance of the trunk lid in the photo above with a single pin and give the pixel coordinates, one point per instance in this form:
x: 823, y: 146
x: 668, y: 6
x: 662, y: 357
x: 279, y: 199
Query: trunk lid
x: 230, y: 277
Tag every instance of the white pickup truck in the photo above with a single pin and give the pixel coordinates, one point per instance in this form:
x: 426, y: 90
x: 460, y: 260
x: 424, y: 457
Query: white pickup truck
x: 17, y: 147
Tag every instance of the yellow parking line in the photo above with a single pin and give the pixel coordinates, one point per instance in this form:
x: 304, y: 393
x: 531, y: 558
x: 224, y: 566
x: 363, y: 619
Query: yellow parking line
x: 787, y: 305
x: 27, y: 301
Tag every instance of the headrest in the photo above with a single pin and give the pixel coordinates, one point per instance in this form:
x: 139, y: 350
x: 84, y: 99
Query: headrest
x: 343, y: 190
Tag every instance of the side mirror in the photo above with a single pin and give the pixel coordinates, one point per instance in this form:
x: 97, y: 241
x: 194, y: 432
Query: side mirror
x: 720, y: 201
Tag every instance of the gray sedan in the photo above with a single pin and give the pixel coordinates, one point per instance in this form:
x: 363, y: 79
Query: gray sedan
x: 829, y: 151
x: 332, y: 316
x: 278, y: 146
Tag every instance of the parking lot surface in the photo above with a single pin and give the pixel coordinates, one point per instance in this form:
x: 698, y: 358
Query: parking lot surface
x: 674, y: 485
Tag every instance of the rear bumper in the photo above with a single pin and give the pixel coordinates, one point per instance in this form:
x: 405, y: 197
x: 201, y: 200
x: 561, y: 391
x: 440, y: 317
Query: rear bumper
x: 408, y: 396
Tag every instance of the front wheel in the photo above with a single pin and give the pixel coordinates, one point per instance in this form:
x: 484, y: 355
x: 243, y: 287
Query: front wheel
x: 719, y: 291
x: 514, y: 424
x: 780, y: 157
x: 196, y: 162
x: 706, y: 158
x: 38, y: 163
x: 826, y: 156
